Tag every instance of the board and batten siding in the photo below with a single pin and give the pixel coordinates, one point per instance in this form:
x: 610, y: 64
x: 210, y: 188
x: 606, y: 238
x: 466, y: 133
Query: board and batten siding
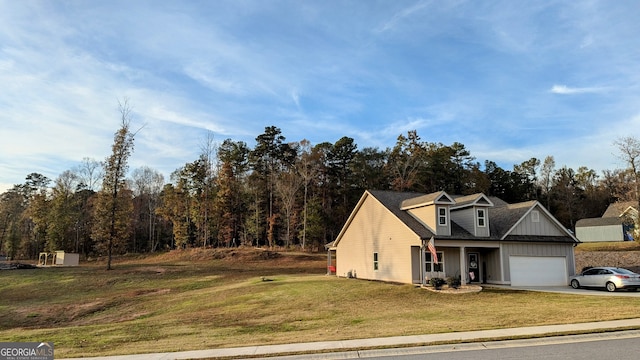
x: 466, y: 218
x: 543, y: 227
x: 374, y: 229
x: 600, y: 233
x: 492, y: 260
x: 536, y: 249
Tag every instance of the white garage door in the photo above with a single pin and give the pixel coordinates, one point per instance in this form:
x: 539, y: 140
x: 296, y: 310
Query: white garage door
x: 538, y: 271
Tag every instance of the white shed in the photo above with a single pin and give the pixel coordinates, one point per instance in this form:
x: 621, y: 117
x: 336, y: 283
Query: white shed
x: 600, y: 229
x: 67, y: 259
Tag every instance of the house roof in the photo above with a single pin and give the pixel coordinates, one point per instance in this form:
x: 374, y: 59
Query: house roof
x: 503, y: 218
x: 619, y: 208
x: 469, y: 200
x: 394, y: 200
x: 603, y: 221
x: 439, y: 197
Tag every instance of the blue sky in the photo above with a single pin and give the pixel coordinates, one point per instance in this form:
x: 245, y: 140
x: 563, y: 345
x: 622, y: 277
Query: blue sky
x: 510, y: 80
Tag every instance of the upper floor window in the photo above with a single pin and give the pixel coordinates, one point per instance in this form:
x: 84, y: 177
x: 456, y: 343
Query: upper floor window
x: 442, y: 216
x: 482, y: 219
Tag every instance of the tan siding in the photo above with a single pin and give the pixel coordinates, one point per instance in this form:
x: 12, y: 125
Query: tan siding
x: 375, y: 229
x: 537, y: 249
x: 426, y: 215
x: 544, y: 227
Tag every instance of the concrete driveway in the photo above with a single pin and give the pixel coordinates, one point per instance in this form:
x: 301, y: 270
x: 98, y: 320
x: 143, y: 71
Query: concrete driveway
x: 569, y: 290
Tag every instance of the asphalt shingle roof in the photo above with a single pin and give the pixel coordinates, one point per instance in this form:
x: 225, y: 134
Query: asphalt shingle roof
x: 502, y: 217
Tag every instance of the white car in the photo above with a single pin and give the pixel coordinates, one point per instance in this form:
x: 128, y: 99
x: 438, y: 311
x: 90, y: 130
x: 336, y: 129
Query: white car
x: 610, y: 278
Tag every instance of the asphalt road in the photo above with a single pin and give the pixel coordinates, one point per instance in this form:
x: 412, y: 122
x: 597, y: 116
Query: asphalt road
x: 622, y: 345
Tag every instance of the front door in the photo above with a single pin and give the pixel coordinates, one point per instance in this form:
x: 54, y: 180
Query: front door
x: 474, y: 267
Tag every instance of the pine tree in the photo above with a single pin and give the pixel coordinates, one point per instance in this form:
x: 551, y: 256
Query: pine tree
x: 114, y: 207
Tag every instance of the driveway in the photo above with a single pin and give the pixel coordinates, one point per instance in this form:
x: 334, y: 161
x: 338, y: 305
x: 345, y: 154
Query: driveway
x: 569, y: 290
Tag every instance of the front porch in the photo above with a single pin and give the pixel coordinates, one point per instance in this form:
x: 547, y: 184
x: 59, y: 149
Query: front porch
x: 473, y: 263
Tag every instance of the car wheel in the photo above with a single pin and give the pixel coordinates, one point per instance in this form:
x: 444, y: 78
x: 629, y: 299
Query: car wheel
x: 611, y: 287
x: 575, y: 284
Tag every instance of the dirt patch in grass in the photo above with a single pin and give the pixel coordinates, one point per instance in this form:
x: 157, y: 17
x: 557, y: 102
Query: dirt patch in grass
x: 211, y: 298
x: 625, y: 259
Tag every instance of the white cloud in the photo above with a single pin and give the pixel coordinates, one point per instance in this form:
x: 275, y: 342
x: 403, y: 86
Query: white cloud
x: 565, y: 90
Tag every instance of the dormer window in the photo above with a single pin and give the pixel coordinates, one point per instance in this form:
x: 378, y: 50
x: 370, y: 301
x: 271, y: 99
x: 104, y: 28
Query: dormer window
x: 481, y: 216
x: 442, y: 216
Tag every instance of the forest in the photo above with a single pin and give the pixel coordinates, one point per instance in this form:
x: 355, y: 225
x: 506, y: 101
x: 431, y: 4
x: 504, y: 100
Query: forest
x: 276, y: 194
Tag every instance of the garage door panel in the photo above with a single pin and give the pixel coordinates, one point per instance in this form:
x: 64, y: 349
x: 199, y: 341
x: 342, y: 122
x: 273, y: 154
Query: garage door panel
x: 538, y: 271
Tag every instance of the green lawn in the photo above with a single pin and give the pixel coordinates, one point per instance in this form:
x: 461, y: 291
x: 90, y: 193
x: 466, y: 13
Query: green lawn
x: 197, y: 300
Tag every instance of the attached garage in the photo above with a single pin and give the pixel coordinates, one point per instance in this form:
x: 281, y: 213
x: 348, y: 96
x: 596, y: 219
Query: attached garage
x: 538, y: 270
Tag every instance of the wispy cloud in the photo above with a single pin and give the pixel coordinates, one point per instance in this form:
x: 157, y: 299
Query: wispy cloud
x: 401, y: 15
x: 566, y: 90
x: 459, y: 70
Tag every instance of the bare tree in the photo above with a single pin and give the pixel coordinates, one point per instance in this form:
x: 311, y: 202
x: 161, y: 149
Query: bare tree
x: 147, y: 185
x: 629, y: 152
x: 307, y: 171
x: 287, y: 185
x: 90, y: 172
x: 546, y: 177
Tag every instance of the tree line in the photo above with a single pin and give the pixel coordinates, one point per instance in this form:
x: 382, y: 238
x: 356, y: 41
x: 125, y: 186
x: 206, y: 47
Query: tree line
x: 278, y: 193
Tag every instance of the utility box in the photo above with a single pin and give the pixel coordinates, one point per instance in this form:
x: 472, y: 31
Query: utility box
x: 67, y: 259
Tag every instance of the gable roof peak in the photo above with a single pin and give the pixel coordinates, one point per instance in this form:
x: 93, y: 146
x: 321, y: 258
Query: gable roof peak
x: 478, y: 199
x: 439, y: 197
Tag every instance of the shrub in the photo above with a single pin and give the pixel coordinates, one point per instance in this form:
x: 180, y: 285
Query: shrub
x: 437, y: 282
x: 454, y: 281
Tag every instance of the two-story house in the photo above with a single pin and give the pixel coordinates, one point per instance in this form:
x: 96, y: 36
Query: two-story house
x: 479, y: 238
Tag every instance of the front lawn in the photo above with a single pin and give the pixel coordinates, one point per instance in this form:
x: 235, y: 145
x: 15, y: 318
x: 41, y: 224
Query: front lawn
x: 210, y: 299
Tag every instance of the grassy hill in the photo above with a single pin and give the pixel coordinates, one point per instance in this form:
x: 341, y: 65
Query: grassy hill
x: 198, y: 299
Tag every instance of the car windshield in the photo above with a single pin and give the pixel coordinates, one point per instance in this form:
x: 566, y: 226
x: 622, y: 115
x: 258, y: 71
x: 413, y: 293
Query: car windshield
x: 623, y: 271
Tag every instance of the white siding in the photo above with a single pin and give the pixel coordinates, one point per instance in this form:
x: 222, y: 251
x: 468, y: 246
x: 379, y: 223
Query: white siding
x: 376, y: 229
x: 600, y: 233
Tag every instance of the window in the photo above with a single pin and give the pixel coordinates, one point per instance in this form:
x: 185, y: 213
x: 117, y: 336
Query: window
x: 375, y: 261
x: 442, y: 216
x: 429, y: 266
x: 535, y: 216
x: 591, y: 272
x: 481, y: 218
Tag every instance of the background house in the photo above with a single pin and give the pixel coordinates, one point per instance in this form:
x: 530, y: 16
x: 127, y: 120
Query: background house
x: 616, y: 224
x: 478, y: 238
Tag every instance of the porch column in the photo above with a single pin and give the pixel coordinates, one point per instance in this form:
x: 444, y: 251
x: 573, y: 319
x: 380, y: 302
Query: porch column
x: 463, y: 266
x: 328, y: 261
x: 423, y: 271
